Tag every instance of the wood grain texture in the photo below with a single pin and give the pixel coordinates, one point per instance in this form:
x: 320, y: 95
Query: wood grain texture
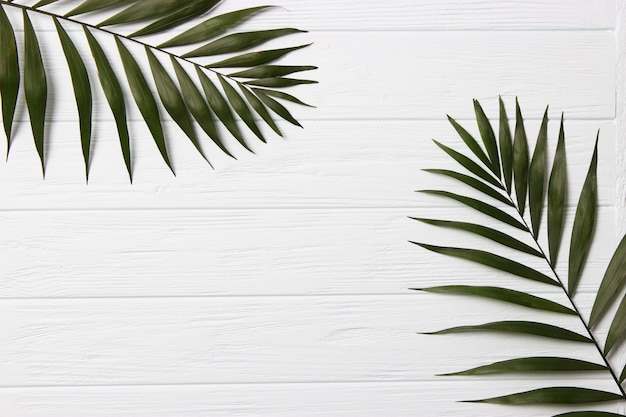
x: 401, y: 399
x: 328, y: 164
x: 257, y: 339
x: 620, y: 146
x: 286, y: 252
x: 276, y: 285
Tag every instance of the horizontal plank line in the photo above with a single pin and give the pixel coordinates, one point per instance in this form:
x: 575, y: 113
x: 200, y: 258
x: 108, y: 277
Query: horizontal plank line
x: 404, y: 30
x: 464, y: 30
x: 231, y: 209
x: 444, y: 119
x: 175, y: 297
x: 408, y: 293
x: 275, y: 383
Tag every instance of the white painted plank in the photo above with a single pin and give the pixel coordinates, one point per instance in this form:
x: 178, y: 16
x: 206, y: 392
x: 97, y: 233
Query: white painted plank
x: 259, y: 339
x: 398, y: 399
x: 394, y: 15
x: 620, y: 148
x: 423, y: 75
x: 413, y: 75
x: 397, y: 15
x: 328, y: 164
x: 264, y: 252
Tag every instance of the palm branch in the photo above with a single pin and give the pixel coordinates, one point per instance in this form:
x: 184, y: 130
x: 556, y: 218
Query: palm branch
x: 236, y: 86
x: 503, y: 170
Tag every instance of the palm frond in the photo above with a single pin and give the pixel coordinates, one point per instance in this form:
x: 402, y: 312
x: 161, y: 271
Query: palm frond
x: 217, y: 103
x: 511, y: 177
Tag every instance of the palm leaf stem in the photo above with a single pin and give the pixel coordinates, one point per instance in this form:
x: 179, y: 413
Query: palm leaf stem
x: 110, y: 32
x: 571, y: 300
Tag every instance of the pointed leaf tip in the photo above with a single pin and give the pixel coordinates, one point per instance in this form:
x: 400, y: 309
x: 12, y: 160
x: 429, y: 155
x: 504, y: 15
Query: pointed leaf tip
x: 491, y: 260
x: 114, y: 95
x: 172, y: 100
x: 537, y: 176
x: 612, y: 283
x: 489, y: 138
x: 520, y: 327
x: 532, y: 364
x: 35, y: 87
x: 557, y: 192
x: 506, y: 147
x: 240, y: 107
x: 144, y: 99
x: 82, y: 91
x: 9, y: 74
x: 502, y: 294
x: 584, y: 224
x: 554, y: 395
x: 520, y: 159
x: 471, y: 143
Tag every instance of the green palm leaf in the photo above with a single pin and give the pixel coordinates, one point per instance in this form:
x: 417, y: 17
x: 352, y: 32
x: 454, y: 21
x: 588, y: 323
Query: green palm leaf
x: 489, y: 138
x: 474, y: 183
x: 197, y: 105
x: 557, y: 191
x: 9, y: 74
x: 506, y: 147
x: 239, y: 42
x: 253, y: 59
x: 44, y: 3
x: 143, y: 97
x: 288, y: 97
x: 259, y: 107
x: 470, y: 165
x: 241, y: 108
x: 35, y: 87
x: 528, y: 178
x: 502, y: 294
x: 537, y: 175
x: 523, y: 327
x: 481, y: 206
x: 612, y: 282
x: 212, y: 28
x: 82, y: 90
x: 534, y: 364
x: 493, y: 261
x: 470, y: 142
x: 555, y: 395
x: 115, y: 96
x: 221, y: 108
x: 487, y: 232
x: 589, y: 414
x: 617, y: 327
x: 95, y: 5
x: 180, y: 15
x: 275, y: 106
x: 520, y: 159
x: 180, y: 97
x: 172, y: 100
x: 271, y: 71
x: 279, y: 82
x: 143, y: 10
x: 584, y: 222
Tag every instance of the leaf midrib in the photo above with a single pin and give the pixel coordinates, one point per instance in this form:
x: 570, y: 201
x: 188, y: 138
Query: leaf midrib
x: 569, y: 297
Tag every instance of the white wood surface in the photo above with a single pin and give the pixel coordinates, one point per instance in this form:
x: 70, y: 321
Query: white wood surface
x: 277, y: 284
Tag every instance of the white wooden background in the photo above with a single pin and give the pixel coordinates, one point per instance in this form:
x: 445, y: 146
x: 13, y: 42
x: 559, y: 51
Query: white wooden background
x: 276, y: 285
